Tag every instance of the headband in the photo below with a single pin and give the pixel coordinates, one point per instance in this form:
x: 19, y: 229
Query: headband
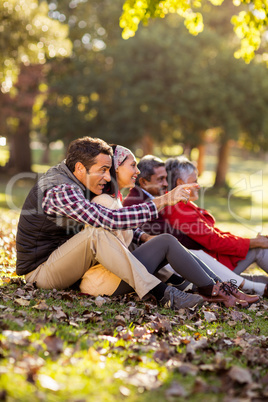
x: 120, y: 154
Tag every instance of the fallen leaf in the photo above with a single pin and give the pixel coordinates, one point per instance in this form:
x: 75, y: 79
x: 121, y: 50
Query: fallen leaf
x: 207, y: 367
x: 22, y: 302
x: 41, y: 305
x: 242, y: 332
x: 175, y: 390
x: 240, y: 375
x: 99, y: 301
x: 209, y: 316
x: 93, y: 355
x: 228, y: 342
x: 139, y: 332
x: 124, y: 391
x: 54, y: 344
x: 195, y: 345
x: 162, y: 354
x: 16, y: 336
x: 232, y: 323
x: 60, y: 314
x: 48, y: 382
x: 237, y: 315
x: 199, y: 386
x: 67, y: 296
x: 144, y: 378
x: 187, y: 368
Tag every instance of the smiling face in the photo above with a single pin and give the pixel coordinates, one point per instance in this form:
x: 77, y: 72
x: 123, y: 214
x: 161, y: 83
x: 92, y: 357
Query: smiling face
x: 127, y: 172
x: 97, y: 176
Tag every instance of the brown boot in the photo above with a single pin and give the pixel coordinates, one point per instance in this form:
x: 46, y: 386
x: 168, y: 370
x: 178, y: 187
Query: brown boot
x: 233, y: 289
x: 219, y: 293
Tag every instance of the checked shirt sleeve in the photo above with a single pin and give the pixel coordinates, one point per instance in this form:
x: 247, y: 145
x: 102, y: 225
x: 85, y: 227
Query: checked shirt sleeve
x: 137, y: 235
x: 68, y: 200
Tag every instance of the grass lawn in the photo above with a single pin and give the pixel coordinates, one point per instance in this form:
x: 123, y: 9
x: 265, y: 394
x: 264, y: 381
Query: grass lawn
x: 63, y: 346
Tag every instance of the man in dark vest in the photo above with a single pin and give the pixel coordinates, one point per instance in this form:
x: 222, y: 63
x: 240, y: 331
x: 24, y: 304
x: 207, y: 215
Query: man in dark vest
x: 61, y: 234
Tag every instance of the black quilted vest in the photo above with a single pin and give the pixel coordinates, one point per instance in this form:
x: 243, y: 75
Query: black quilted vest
x: 39, y: 234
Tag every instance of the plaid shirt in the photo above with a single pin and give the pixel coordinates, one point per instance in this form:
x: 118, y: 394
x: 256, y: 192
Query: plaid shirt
x: 69, y: 200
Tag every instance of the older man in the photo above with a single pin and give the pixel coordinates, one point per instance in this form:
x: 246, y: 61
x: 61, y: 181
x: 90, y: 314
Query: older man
x: 152, y: 183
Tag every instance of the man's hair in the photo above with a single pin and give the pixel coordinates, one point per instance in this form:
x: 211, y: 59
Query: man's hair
x: 111, y: 187
x: 179, y: 168
x: 146, y: 165
x: 85, y: 150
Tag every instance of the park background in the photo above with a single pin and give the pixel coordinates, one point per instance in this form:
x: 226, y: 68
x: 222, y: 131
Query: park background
x: 66, y: 72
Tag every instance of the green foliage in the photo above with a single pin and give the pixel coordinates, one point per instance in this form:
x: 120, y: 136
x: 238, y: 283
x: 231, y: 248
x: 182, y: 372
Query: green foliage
x: 249, y: 24
x: 28, y: 35
x: 135, y: 12
x: 162, y: 83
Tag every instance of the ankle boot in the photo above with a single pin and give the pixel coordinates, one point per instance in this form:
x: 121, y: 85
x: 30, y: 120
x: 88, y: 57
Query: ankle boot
x: 236, y: 292
x: 219, y: 293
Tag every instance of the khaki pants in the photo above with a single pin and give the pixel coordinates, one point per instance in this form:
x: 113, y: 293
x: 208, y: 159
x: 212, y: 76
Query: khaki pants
x: 69, y: 262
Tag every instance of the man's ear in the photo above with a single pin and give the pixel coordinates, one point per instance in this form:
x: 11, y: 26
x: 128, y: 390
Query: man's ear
x: 179, y: 182
x: 79, y: 169
x: 143, y: 182
x: 79, y: 166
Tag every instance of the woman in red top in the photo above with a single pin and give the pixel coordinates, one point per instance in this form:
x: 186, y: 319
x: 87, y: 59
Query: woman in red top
x: 235, y: 252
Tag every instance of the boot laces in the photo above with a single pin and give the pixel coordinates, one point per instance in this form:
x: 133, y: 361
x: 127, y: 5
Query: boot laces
x: 225, y: 288
x: 232, y: 285
x: 178, y: 292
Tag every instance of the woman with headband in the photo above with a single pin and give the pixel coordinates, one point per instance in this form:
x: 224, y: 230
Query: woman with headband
x: 156, y: 252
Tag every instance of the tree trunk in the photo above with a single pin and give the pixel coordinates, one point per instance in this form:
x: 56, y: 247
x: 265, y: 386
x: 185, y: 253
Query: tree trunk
x: 147, y: 144
x: 222, y: 167
x: 20, y: 107
x: 20, y: 151
x: 187, y: 150
x: 201, y: 158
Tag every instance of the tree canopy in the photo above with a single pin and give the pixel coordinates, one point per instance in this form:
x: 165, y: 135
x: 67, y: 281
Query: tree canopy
x: 250, y: 22
x: 28, y: 36
x: 162, y: 84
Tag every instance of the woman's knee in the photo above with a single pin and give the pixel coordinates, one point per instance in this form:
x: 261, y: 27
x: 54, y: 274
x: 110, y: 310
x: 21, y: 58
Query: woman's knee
x: 167, y: 238
x: 166, y: 242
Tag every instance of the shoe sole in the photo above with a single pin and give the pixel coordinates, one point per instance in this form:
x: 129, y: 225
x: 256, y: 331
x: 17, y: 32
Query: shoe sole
x: 198, y: 303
